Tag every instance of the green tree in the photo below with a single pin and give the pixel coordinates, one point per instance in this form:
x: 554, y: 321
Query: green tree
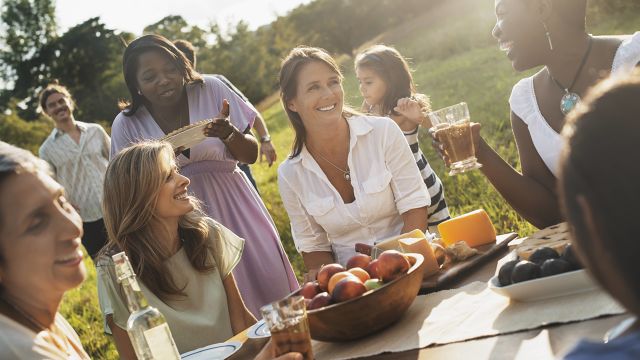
x: 174, y: 27
x: 87, y: 59
x: 28, y: 25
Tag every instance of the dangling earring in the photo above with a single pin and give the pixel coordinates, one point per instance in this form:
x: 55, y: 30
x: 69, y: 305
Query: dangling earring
x: 546, y: 30
x: 139, y: 92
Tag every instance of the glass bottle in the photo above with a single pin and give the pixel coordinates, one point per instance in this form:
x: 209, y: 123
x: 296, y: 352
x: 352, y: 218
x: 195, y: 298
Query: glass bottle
x: 147, y: 327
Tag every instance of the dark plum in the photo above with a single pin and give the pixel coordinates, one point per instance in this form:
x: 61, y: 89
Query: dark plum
x: 554, y: 267
x: 544, y: 253
x: 569, y: 255
x: 525, y: 270
x: 504, y: 274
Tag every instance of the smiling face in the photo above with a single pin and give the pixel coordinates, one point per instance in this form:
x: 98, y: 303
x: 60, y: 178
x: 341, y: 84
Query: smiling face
x: 319, y: 96
x: 173, y: 201
x: 372, y: 87
x: 520, y: 33
x: 39, y: 238
x: 59, y: 108
x: 159, y: 79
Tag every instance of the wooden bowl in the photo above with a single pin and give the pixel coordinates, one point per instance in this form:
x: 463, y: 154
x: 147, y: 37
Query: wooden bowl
x: 369, y: 313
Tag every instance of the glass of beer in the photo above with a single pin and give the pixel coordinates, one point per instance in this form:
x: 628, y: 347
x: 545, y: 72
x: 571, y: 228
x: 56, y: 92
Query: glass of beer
x: 452, y: 127
x: 287, y: 321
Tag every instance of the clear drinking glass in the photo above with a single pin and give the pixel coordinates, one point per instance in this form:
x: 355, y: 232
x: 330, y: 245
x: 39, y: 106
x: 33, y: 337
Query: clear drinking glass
x: 453, y: 127
x: 287, y: 321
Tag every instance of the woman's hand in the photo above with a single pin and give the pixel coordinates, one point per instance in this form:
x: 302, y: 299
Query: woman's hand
x: 269, y: 152
x: 268, y: 353
x: 221, y: 127
x: 412, y: 110
x: 442, y: 147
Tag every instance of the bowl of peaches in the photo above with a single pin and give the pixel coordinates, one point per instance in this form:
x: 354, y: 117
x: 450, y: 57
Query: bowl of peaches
x: 363, y: 297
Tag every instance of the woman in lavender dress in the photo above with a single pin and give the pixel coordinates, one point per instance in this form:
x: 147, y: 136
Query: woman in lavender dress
x: 168, y: 94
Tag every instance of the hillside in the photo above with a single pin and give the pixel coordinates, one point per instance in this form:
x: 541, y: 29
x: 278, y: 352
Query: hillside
x: 455, y: 59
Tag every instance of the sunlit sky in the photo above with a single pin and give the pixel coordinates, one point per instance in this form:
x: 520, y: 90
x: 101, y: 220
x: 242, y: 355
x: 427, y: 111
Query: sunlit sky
x: 134, y: 15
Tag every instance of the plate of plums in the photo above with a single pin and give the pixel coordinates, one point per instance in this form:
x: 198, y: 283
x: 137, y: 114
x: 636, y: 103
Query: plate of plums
x: 547, y: 273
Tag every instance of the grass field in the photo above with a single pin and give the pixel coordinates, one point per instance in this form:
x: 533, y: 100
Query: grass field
x: 455, y: 59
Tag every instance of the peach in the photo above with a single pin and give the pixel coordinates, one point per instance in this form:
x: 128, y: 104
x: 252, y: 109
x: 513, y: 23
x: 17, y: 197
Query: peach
x: 309, y: 290
x: 391, y: 265
x: 337, y: 277
x: 348, y: 288
x: 358, y: 260
x: 321, y: 300
x: 326, y: 272
x: 360, y: 273
x: 372, y: 269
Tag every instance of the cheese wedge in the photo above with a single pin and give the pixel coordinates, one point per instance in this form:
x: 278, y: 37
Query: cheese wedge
x: 475, y: 228
x: 392, y: 242
x: 421, y: 246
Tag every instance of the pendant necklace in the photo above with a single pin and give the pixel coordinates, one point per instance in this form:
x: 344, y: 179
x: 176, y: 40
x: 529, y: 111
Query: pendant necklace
x: 570, y: 99
x: 346, y: 174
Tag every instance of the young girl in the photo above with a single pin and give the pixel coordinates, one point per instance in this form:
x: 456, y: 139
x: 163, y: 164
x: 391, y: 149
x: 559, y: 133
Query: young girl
x: 388, y: 90
x: 183, y: 259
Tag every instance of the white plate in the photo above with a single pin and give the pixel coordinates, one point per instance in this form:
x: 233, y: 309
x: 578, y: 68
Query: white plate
x: 258, y: 330
x: 187, y: 136
x: 545, y: 287
x: 213, y: 352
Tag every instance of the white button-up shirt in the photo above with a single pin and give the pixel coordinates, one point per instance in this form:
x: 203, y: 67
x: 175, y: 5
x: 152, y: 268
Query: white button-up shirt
x: 386, y: 183
x: 80, y: 167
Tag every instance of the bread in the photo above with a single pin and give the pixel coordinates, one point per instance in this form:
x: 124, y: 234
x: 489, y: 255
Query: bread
x: 555, y: 237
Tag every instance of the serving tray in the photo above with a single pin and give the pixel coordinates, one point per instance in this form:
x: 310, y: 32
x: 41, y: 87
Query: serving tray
x: 443, y: 279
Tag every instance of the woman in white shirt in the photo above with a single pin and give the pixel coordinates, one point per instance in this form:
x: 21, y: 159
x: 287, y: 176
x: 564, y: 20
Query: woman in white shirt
x: 350, y: 178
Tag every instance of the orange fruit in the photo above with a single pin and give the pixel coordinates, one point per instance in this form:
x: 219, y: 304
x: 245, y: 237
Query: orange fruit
x: 360, y: 273
x: 337, y: 277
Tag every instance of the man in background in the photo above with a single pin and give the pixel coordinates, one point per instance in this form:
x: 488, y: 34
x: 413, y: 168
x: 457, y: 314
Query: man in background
x: 78, y: 153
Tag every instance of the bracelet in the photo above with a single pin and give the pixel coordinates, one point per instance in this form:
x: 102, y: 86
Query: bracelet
x: 265, y: 139
x: 227, y: 139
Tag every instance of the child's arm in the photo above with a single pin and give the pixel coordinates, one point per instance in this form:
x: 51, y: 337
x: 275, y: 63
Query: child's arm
x: 240, y: 316
x: 412, y: 113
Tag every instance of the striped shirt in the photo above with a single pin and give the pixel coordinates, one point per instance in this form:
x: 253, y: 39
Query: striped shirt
x: 438, y: 210
x: 80, y: 167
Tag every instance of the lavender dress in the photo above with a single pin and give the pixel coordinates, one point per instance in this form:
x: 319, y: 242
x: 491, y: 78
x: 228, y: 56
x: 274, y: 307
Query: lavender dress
x: 264, y: 273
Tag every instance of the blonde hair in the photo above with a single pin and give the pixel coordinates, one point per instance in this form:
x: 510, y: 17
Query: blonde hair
x: 131, y: 187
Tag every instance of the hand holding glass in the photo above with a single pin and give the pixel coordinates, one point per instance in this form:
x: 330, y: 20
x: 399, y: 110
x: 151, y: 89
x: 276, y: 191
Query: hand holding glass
x: 287, y: 321
x: 452, y: 127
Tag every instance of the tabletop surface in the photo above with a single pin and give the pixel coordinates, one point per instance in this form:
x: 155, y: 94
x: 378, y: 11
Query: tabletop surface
x: 546, y: 342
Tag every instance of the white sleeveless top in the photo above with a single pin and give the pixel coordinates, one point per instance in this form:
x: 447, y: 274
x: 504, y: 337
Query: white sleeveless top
x: 523, y: 103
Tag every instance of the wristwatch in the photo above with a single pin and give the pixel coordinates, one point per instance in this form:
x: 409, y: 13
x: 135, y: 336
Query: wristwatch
x: 264, y: 139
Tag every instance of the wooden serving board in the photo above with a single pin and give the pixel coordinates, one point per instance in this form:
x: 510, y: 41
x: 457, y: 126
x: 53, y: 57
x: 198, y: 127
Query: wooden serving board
x: 446, y: 276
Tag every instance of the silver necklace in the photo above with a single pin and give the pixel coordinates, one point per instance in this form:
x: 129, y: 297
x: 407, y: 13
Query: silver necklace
x: 346, y: 174
x: 570, y: 99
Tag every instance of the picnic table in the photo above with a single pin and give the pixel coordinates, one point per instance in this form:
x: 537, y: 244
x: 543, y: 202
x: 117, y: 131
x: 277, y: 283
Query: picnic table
x: 544, y: 342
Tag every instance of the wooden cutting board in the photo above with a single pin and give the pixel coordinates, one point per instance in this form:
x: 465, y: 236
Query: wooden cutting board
x: 456, y: 271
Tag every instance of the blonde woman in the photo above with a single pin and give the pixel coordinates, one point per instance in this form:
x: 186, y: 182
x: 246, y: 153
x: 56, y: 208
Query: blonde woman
x: 183, y: 259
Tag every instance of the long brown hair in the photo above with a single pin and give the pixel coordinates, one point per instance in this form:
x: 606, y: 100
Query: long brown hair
x: 289, y: 69
x: 600, y: 164
x: 131, y: 187
x: 130, y: 58
x: 394, y: 70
